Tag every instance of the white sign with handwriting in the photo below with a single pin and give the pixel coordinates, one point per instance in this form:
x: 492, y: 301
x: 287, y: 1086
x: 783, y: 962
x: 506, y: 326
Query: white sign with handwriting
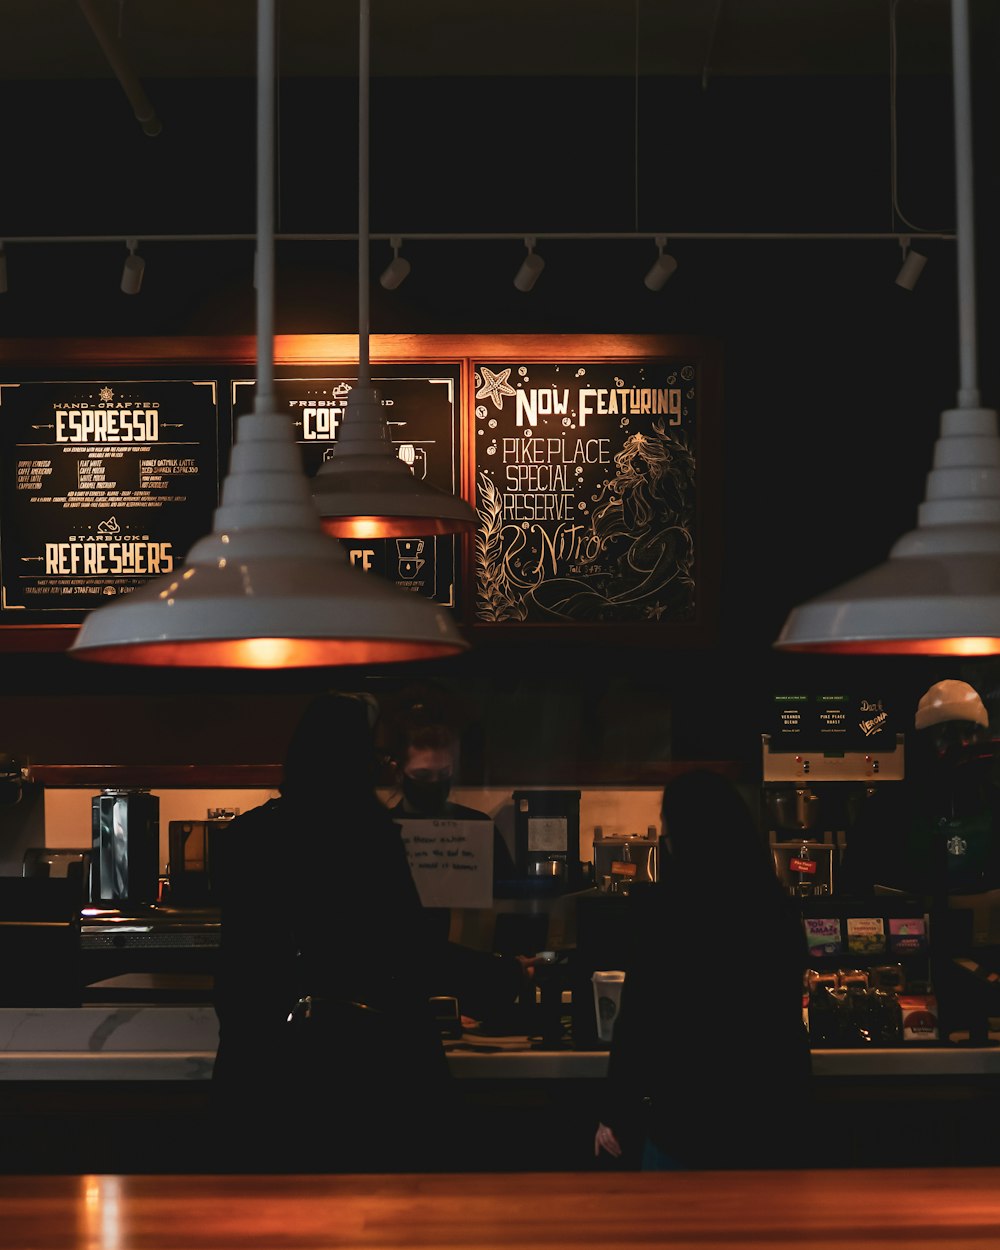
x: 451, y: 861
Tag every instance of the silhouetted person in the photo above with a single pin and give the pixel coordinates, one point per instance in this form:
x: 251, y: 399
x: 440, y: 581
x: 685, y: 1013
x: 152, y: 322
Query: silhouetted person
x: 934, y: 834
x: 425, y: 749
x: 426, y: 752
x: 329, y: 1058
x: 710, y: 1063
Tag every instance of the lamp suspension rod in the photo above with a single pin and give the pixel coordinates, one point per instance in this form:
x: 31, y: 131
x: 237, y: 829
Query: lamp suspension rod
x: 968, y: 392
x: 364, y: 54
x: 264, y: 390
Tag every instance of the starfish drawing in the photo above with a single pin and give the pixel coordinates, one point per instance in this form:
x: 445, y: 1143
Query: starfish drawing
x: 495, y: 386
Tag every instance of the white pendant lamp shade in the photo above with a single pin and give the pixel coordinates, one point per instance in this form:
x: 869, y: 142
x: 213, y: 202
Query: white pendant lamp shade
x: 939, y: 591
x: 267, y: 588
x: 364, y: 490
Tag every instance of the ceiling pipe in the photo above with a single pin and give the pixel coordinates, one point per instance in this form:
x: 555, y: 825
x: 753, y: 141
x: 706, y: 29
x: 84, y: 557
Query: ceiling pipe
x: 111, y: 45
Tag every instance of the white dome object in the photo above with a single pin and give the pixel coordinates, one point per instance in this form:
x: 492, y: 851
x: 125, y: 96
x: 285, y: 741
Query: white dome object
x: 950, y: 700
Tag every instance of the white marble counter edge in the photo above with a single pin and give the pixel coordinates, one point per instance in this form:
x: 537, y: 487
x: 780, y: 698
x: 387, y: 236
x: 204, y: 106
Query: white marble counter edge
x: 111, y: 1065
x: 196, y: 1065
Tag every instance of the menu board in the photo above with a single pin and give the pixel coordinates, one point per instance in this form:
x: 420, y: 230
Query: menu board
x: 832, y: 722
x: 587, y: 492
x: 422, y: 411
x: 593, y: 460
x: 105, y: 483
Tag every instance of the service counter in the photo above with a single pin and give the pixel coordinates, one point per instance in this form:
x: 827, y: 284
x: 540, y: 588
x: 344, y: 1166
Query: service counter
x: 126, y: 1087
x: 177, y: 1042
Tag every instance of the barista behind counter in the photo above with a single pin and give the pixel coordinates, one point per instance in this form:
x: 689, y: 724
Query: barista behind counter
x: 425, y: 752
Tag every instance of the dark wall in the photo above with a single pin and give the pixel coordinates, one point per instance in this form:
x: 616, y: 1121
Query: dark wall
x: 834, y: 378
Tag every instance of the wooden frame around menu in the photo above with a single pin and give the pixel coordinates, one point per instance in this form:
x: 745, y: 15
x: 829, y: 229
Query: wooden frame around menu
x: 554, y: 483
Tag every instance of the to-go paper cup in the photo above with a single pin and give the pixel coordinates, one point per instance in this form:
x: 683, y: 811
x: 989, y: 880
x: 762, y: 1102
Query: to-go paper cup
x: 607, y: 999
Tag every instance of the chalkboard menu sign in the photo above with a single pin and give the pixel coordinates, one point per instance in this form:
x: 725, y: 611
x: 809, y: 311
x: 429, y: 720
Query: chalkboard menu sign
x: 105, y: 482
x: 591, y: 461
x: 422, y: 410
x: 587, y: 492
x: 833, y: 722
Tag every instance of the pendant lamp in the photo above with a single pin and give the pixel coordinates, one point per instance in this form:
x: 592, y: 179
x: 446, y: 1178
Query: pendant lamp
x: 939, y: 591
x: 267, y: 588
x: 363, y: 490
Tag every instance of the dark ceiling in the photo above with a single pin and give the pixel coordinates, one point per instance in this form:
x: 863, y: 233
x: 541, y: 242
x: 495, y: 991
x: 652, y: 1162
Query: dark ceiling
x: 52, y: 39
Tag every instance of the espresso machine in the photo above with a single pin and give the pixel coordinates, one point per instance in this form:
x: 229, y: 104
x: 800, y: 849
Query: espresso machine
x: 622, y: 859
x: 809, y: 804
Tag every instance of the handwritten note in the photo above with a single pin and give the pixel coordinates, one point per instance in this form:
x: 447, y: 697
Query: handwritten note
x: 451, y: 861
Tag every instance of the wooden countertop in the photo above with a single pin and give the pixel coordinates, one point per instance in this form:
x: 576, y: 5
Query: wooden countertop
x: 932, y: 1207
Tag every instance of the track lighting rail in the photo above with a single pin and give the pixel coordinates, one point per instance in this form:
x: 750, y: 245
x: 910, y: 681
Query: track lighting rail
x: 514, y: 235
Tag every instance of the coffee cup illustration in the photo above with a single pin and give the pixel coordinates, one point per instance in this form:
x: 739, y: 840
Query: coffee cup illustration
x: 409, y: 547
x: 415, y: 459
x: 410, y: 566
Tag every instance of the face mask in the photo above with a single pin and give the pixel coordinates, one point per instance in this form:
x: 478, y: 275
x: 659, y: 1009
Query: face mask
x: 426, y: 796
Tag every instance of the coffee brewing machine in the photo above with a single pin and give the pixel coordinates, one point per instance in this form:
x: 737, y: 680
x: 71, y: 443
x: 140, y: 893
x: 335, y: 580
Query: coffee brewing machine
x: 823, y: 760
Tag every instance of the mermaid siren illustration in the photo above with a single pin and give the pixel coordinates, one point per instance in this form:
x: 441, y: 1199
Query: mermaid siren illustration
x: 632, y: 560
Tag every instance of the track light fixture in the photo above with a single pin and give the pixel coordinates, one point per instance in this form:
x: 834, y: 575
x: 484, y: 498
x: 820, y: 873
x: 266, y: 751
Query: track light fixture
x: 531, y: 266
x: 397, y: 270
x: 662, y: 268
x: 133, y: 269
x: 912, y: 266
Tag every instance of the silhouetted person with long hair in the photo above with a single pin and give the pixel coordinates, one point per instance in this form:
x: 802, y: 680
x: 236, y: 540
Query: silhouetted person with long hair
x: 709, y: 1064
x: 329, y: 1057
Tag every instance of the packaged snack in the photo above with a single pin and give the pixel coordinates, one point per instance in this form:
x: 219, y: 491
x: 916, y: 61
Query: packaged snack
x: 908, y: 934
x: 823, y: 935
x: 866, y: 935
x: 920, y: 1017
